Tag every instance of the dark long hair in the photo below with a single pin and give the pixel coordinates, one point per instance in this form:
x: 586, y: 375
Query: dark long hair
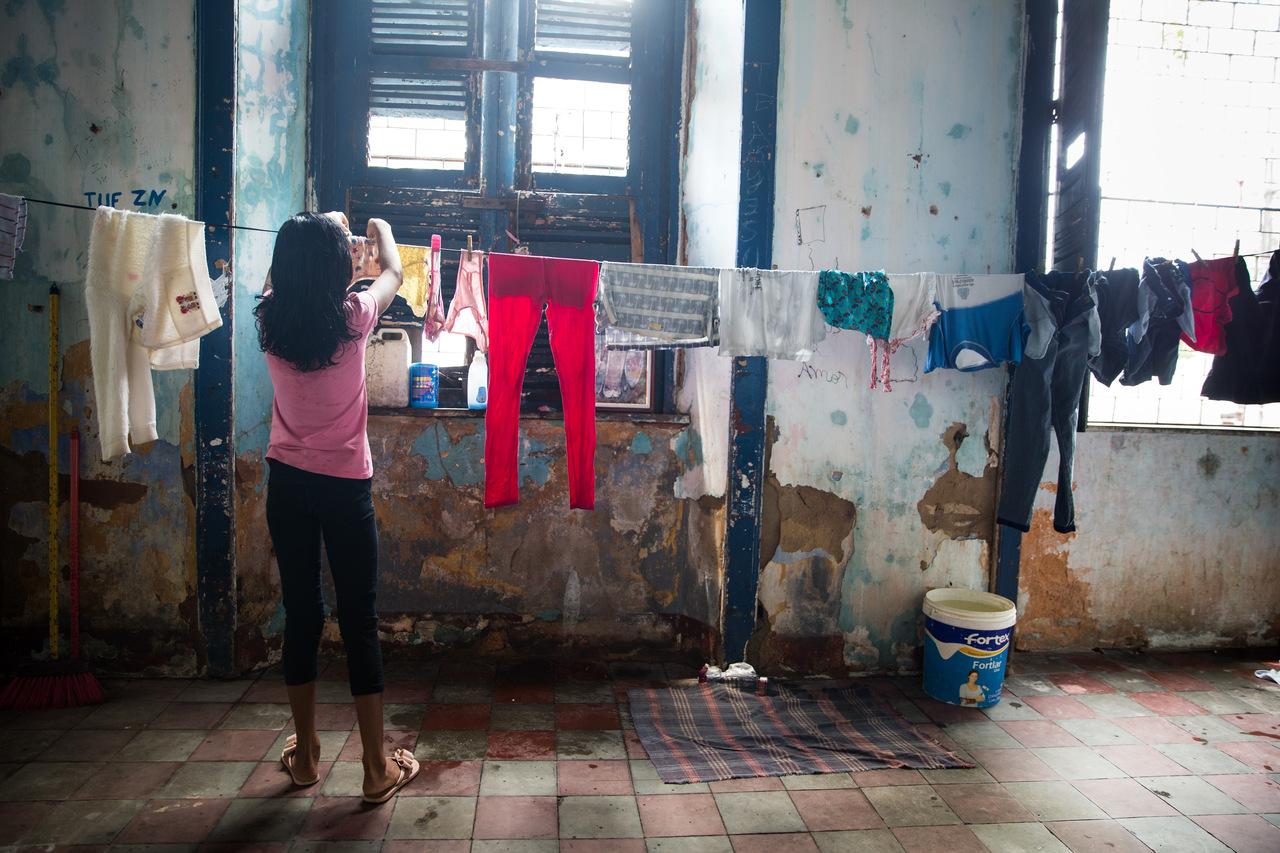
x: 303, y: 319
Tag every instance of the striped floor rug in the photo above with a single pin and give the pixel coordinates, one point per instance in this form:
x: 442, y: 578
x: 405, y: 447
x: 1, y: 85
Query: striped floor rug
x: 715, y: 731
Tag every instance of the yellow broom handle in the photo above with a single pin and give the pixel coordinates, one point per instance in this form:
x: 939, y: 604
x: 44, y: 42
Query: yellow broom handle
x: 53, y: 471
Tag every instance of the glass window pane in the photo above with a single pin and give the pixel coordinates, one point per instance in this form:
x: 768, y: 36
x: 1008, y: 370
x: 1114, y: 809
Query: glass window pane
x: 580, y: 126
x: 416, y: 142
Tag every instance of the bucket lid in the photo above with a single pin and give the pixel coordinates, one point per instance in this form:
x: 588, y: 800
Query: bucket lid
x: 969, y: 604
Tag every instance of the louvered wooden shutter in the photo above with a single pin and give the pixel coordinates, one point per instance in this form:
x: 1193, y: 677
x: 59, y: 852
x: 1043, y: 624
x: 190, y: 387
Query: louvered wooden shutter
x: 583, y: 26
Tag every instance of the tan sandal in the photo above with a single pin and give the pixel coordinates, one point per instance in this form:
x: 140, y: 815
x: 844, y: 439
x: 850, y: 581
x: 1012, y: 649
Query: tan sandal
x: 409, y: 768
x: 286, y: 756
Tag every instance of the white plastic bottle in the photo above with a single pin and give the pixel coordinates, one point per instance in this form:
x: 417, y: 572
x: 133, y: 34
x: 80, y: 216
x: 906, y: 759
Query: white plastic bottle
x: 478, y: 382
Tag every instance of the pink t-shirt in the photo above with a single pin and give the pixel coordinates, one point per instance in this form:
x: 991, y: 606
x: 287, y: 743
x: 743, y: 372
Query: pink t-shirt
x: 319, y: 418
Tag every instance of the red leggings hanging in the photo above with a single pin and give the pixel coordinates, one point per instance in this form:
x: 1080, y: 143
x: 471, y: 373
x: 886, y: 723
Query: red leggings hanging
x: 519, y: 287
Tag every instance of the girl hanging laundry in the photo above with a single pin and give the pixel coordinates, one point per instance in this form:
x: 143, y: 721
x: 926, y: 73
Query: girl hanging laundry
x: 313, y: 332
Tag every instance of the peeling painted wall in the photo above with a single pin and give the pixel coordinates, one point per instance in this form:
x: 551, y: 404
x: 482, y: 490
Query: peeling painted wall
x: 1177, y: 545
x: 94, y: 98
x: 897, y: 141
x: 271, y: 172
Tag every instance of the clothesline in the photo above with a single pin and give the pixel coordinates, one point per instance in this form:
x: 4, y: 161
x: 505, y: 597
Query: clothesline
x: 31, y: 200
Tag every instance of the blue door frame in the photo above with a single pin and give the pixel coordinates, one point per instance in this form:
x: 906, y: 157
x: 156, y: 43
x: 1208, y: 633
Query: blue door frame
x: 215, y: 459
x: 750, y: 376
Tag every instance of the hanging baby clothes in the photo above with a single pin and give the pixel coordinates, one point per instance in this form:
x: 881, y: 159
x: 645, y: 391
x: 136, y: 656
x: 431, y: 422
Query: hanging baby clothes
x: 1164, y: 315
x: 771, y: 313
x: 980, y: 324
x: 13, y: 230
x: 519, y: 287
x: 173, y: 305
x: 1249, y: 371
x: 415, y: 288
x: 128, y: 302
x: 1117, y: 294
x: 914, y: 313
x: 653, y: 305
x: 1063, y: 331
x: 1213, y: 283
x: 467, y: 315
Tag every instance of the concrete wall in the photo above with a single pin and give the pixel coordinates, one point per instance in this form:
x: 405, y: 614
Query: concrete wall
x: 1177, y: 545
x: 271, y: 180
x: 898, y: 126
x: 97, y: 98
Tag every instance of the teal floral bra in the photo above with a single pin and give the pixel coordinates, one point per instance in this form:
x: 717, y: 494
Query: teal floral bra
x: 861, y: 301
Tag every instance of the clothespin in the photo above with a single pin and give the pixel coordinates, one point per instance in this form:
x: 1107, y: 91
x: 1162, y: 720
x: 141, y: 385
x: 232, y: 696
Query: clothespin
x: 1113, y: 264
x: 468, y: 244
x: 1196, y: 255
x: 1235, y: 253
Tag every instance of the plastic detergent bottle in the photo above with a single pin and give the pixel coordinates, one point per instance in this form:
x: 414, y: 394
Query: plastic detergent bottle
x: 478, y: 382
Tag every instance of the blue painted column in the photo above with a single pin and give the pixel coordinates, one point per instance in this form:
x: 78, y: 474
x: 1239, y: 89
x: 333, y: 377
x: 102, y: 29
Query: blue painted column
x: 215, y: 460
x: 750, y: 376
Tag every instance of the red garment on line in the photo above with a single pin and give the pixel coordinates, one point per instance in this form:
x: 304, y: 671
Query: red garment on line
x: 519, y: 286
x: 1213, y: 283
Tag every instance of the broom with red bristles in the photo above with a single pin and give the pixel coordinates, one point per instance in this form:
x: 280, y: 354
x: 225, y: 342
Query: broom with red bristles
x: 58, y: 683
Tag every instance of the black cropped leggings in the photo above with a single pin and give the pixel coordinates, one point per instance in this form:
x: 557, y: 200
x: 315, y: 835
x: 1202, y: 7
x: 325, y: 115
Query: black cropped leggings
x: 302, y: 509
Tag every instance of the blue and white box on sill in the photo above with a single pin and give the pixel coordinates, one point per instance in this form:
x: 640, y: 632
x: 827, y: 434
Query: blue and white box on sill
x: 967, y: 636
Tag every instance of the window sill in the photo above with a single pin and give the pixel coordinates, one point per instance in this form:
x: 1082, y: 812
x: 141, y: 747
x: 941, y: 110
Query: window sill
x: 616, y: 416
x: 1181, y: 429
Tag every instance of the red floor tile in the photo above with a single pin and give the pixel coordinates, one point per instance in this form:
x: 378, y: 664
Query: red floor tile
x: 1103, y: 836
x: 1037, y: 733
x: 17, y: 819
x: 522, y: 746
x: 1121, y: 798
x: 345, y: 818
x: 787, y: 842
x: 126, y: 781
x: 635, y: 749
x: 1153, y: 730
x: 1077, y: 683
x: 538, y: 694
x: 446, y: 779
x: 1178, y: 681
x: 587, y: 716
x: 407, y: 693
x: 983, y: 803
x: 584, y: 778
x: 602, y: 845
x: 191, y: 715
x: 691, y: 814
x: 335, y: 716
x: 1060, y: 707
x: 353, y: 749
x: 173, y: 822
x: 1141, y: 760
x: 1259, y: 755
x: 516, y: 817
x: 1013, y: 765
x: 235, y: 745
x: 1255, y: 791
x: 470, y: 718
x: 836, y: 809
x: 1167, y: 704
x: 267, y: 690
x: 1243, y: 833
x: 932, y: 839
x: 269, y: 779
x: 1263, y: 725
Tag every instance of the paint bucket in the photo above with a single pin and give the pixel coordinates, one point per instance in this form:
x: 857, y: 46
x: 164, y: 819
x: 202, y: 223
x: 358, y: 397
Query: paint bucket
x: 966, y: 645
x: 424, y: 386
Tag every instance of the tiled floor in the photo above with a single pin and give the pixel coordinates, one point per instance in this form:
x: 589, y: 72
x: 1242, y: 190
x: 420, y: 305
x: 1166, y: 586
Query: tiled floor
x: 1086, y: 753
